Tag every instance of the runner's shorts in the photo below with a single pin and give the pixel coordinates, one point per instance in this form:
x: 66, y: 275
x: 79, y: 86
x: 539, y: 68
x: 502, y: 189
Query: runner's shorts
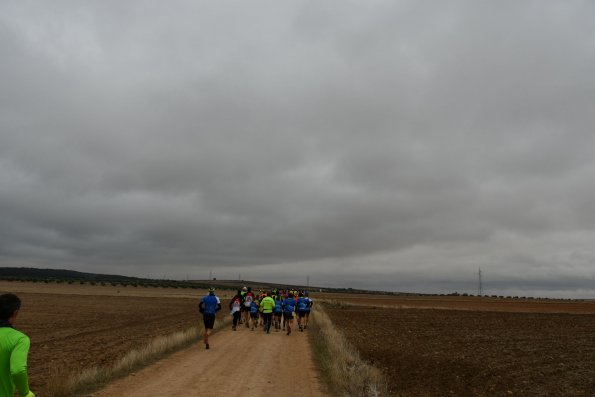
x: 301, y: 313
x: 288, y: 316
x: 209, y: 320
x: 253, y: 315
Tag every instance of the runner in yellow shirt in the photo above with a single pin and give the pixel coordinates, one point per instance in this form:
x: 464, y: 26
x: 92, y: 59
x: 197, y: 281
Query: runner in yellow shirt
x: 267, y: 306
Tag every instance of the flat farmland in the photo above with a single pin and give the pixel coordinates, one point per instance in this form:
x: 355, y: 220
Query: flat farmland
x: 73, y: 327
x: 427, y: 346
x: 464, y: 303
x: 449, y: 352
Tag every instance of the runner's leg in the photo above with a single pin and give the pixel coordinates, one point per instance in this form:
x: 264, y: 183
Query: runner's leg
x: 288, y: 322
x: 209, y: 323
x: 236, y: 319
x: 247, y: 317
x: 268, y: 321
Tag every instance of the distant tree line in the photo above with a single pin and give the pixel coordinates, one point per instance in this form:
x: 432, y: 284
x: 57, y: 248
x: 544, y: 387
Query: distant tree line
x: 506, y: 297
x: 72, y: 277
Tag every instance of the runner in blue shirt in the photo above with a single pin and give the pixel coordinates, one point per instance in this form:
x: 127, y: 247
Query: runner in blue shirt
x: 254, y: 314
x: 278, y: 312
x: 288, y: 309
x: 209, y: 306
x: 309, y: 308
x: 301, y: 307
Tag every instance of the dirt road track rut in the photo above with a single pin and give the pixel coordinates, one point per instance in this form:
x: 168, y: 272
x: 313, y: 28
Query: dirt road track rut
x: 239, y: 363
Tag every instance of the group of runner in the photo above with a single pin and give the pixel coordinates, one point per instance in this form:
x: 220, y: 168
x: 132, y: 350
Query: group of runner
x: 275, y: 308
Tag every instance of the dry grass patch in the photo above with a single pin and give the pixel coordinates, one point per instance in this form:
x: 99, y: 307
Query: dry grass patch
x: 345, y: 372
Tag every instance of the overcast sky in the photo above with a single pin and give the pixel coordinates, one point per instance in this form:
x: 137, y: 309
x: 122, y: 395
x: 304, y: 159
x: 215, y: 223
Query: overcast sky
x: 394, y: 145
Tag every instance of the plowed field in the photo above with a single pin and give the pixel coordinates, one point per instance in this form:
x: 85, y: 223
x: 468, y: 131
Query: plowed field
x: 463, y: 353
x: 427, y: 346
x: 465, y: 303
x: 70, y: 332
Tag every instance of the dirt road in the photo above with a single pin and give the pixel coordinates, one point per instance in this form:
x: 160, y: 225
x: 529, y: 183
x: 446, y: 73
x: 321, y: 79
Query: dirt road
x: 242, y: 363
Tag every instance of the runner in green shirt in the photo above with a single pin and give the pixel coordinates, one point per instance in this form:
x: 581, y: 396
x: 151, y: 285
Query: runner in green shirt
x: 14, y: 348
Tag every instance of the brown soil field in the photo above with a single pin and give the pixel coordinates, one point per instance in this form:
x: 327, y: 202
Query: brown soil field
x: 461, y: 346
x: 465, y: 303
x: 464, y: 353
x: 72, y: 327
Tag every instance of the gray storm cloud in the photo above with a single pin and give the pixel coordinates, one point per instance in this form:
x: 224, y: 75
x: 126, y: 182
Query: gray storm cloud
x: 386, y: 144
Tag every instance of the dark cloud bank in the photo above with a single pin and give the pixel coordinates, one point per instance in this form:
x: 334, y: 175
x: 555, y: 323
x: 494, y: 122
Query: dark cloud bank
x: 390, y: 145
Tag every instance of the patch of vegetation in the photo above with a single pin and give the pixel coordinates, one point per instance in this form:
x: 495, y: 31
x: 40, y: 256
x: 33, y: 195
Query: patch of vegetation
x: 340, y: 363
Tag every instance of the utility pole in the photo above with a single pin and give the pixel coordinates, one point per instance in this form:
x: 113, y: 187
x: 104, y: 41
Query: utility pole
x: 480, y: 285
